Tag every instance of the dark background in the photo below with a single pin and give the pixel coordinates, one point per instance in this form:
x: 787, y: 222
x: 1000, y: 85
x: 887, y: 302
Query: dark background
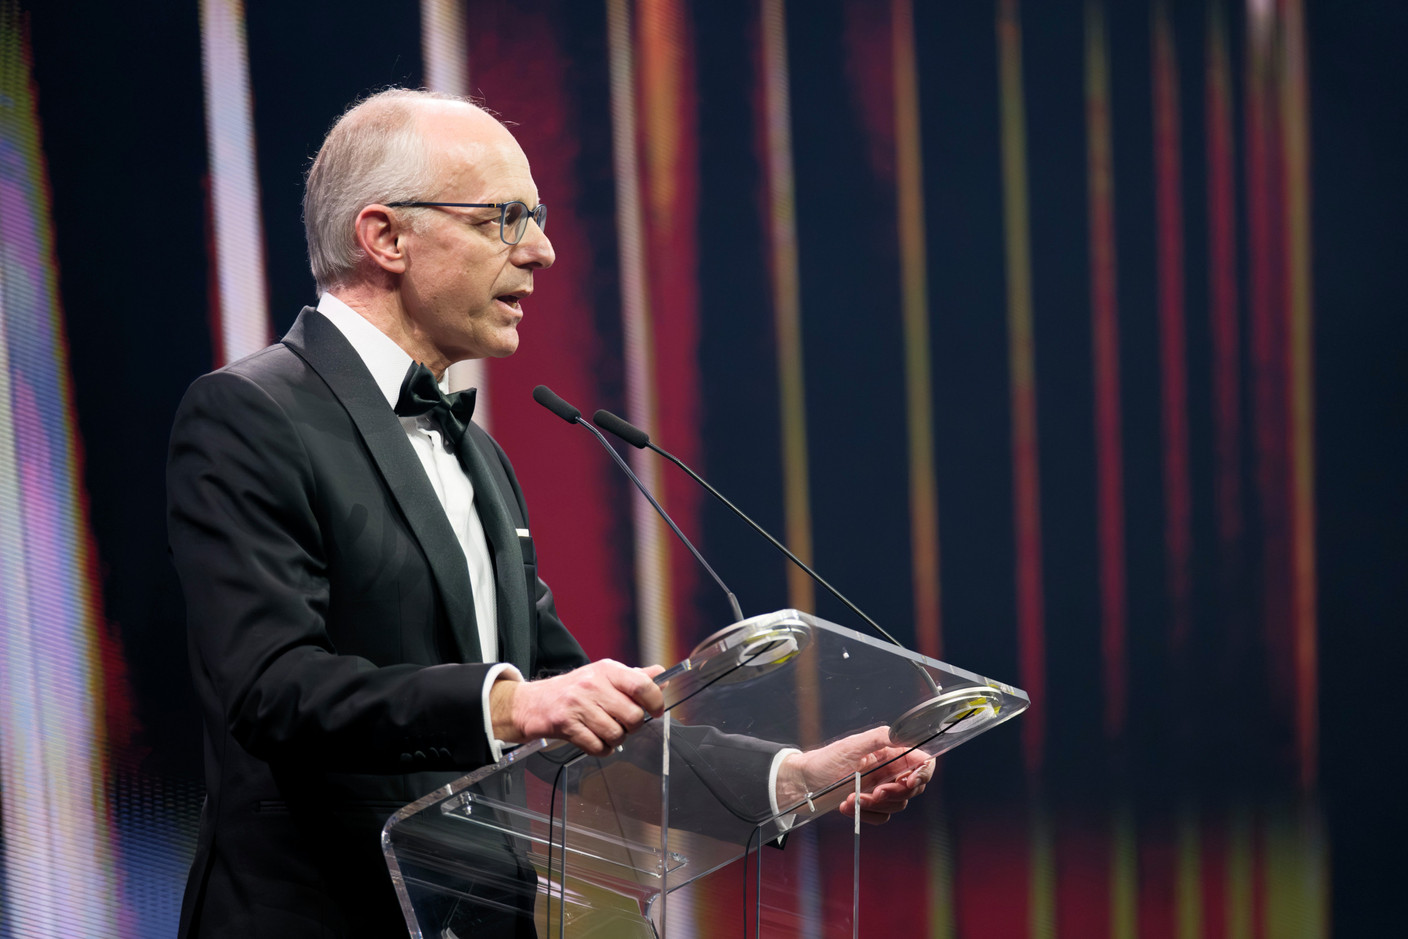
x: 119, y: 88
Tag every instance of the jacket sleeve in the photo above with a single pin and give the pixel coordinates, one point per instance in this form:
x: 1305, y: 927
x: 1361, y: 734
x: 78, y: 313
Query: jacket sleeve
x: 251, y: 552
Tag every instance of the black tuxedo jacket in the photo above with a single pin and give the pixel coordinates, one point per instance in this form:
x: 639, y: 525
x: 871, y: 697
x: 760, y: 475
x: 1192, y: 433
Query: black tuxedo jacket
x: 332, y: 633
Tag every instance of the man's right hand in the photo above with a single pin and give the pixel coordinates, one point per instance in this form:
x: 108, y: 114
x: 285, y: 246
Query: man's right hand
x: 593, y: 707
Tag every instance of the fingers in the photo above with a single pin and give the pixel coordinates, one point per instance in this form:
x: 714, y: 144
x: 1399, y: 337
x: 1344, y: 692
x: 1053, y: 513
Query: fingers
x: 638, y: 684
x: 876, y: 809
x: 867, y: 749
x: 871, y: 816
x: 593, y: 707
x: 924, y: 773
x: 890, y: 797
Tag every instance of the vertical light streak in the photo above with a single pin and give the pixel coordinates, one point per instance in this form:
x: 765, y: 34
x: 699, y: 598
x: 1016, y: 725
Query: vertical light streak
x: 444, y: 51
x: 668, y: 146
x: 58, y: 872
x: 1224, y: 332
x: 1307, y: 887
x: 660, y: 84
x: 1041, y: 867
x: 1297, y: 899
x: 1022, y: 368
x: 940, y: 858
x: 1105, y: 341
x: 1026, y: 495
x: 1188, y: 905
x: 446, y: 56
x: 1239, y: 911
x: 1173, y: 343
x: 1295, y: 123
x: 923, y: 478
x: 242, y: 307
x: 786, y: 297
x: 656, y: 624
x: 1289, y: 882
x: 1270, y: 367
x: 1109, y: 449
x: 1178, y: 509
x: 1124, y: 872
x: 909, y: 198
x: 1223, y: 311
x: 787, y: 313
x: 787, y: 307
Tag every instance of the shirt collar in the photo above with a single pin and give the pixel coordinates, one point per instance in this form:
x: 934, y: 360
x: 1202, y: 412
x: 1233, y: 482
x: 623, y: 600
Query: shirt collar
x: 384, y: 359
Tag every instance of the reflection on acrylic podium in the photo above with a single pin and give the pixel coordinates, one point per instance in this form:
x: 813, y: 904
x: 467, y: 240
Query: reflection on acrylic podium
x: 553, y: 842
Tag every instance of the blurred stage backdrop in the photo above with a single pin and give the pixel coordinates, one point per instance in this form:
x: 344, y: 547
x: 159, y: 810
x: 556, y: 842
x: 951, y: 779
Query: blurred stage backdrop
x: 1064, y: 337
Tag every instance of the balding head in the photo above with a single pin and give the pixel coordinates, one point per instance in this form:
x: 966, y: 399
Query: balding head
x: 377, y: 152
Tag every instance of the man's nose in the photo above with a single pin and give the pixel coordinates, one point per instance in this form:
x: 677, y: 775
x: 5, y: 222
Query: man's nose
x: 534, y: 249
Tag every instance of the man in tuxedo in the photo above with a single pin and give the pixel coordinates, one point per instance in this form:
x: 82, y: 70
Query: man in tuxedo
x: 364, y: 610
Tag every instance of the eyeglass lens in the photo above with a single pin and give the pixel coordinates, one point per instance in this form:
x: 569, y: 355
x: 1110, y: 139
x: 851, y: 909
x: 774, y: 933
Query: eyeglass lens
x: 515, y: 220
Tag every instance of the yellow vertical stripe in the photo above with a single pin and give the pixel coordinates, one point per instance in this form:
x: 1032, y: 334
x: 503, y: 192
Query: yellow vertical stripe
x: 1041, y: 909
x: 923, y: 483
x: 1022, y: 381
x: 787, y: 313
x: 1123, y: 876
x: 1015, y: 209
x: 786, y: 298
x: 909, y: 195
x: 1041, y: 888
x: 1124, y: 873
x: 1240, y: 877
x: 1295, y: 122
x: 1297, y: 902
x: 940, y: 861
x: 657, y: 84
x: 1306, y: 882
x: 1104, y: 316
x: 653, y: 606
x: 1189, y: 888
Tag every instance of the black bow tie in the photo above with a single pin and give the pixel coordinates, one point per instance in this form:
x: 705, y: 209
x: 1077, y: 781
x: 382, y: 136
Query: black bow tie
x: 420, y: 394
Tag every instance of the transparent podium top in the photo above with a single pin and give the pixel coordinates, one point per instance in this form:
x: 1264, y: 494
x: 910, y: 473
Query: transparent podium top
x: 693, y: 788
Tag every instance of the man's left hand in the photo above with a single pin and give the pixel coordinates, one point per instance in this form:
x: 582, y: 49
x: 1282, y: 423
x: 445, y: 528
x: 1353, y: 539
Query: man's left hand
x: 883, y: 792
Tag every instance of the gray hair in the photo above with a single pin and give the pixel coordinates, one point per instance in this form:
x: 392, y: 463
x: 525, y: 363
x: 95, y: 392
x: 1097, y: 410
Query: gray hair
x: 374, y: 153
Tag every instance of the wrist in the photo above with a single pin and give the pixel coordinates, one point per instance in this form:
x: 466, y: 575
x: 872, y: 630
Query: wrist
x: 786, y: 787
x: 502, y: 695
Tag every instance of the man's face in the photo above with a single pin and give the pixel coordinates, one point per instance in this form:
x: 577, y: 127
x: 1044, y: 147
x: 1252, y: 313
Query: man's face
x: 463, y: 288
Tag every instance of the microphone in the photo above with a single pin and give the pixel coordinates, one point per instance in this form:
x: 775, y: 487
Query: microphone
x: 639, y: 439
x: 557, y: 405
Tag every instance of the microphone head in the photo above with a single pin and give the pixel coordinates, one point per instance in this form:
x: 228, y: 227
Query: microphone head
x: 622, y: 428
x: 549, y: 399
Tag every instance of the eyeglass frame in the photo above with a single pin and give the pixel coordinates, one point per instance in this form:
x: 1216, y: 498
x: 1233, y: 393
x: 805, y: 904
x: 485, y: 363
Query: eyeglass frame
x: 539, y: 214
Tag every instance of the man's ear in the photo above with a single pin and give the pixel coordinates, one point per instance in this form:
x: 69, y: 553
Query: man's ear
x: 379, y: 233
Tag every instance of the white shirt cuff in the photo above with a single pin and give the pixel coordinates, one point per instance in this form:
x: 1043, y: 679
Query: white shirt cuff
x: 784, y: 822
x: 509, y: 673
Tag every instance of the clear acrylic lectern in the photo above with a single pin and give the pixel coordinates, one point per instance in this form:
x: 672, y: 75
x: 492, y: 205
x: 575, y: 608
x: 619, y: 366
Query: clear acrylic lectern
x: 572, y: 845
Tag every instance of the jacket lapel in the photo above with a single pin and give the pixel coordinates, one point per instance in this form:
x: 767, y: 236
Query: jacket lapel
x: 502, y: 534
x: 318, y: 342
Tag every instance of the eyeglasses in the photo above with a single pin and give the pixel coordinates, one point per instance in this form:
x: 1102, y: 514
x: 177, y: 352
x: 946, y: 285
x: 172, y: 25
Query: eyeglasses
x: 513, y: 216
